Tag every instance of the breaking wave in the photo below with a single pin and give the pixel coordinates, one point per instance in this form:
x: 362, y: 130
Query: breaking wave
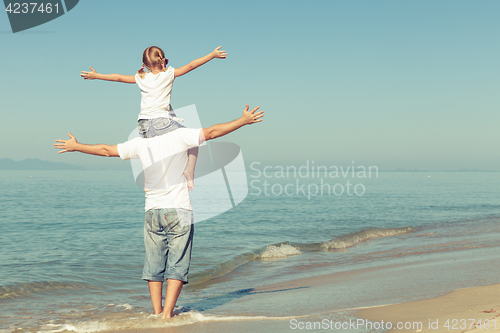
x: 21, y: 290
x: 355, y: 238
x: 282, y: 251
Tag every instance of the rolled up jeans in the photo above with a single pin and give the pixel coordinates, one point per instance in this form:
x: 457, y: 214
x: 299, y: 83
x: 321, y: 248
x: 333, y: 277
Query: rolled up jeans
x: 168, y: 239
x: 149, y: 128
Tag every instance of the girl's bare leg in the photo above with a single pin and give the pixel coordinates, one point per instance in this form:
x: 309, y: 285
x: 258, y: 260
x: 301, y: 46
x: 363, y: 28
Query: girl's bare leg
x: 189, y: 171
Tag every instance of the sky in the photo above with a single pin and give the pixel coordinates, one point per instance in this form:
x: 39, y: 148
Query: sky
x: 393, y: 84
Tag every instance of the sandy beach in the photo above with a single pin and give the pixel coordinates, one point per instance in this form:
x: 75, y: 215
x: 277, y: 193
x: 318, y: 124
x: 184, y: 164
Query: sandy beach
x: 464, y: 310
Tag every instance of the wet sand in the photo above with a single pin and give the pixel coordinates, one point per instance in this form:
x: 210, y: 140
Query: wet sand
x: 239, y: 326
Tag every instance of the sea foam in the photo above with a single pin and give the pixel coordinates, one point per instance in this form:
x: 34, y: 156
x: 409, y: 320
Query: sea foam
x: 144, y: 322
x: 282, y: 251
x: 355, y: 238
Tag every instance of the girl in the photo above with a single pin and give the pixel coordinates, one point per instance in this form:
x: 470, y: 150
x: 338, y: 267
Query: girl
x: 157, y: 116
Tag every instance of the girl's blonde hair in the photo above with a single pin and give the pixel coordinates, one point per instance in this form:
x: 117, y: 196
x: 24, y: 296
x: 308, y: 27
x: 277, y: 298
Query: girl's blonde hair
x: 153, y: 58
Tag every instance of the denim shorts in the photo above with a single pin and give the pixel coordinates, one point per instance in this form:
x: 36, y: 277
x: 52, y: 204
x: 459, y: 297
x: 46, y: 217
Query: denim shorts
x: 149, y: 128
x: 168, y: 239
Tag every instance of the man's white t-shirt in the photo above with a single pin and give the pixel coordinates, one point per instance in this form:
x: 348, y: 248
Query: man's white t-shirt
x: 163, y: 159
x: 155, y: 94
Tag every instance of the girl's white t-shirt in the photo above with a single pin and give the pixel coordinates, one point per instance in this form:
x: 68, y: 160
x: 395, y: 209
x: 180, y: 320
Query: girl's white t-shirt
x: 155, y: 93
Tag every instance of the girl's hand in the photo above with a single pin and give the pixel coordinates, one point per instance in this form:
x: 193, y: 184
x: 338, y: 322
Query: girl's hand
x: 217, y: 53
x: 89, y: 75
x: 66, y: 145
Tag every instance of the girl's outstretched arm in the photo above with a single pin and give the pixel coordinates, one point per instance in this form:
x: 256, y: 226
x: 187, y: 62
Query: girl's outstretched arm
x: 217, y: 53
x: 93, y: 75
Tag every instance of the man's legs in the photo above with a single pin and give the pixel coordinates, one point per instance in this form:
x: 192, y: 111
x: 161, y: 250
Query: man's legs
x: 180, y: 241
x: 155, y: 290
x: 168, y: 237
x: 156, y: 245
x: 174, y: 288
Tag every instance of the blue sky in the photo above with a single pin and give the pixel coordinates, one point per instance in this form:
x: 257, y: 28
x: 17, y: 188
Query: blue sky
x: 397, y: 84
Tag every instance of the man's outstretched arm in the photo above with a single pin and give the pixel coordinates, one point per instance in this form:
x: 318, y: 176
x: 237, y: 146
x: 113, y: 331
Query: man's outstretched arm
x: 73, y: 145
x: 215, y: 131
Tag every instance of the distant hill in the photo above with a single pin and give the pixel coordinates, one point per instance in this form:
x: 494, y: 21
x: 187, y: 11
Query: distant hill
x: 36, y: 164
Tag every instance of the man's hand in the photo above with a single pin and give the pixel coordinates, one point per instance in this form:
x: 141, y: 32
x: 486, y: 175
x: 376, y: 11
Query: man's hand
x: 89, y: 75
x: 73, y: 145
x: 250, y: 117
x: 219, y: 130
x: 217, y: 53
x: 67, y: 145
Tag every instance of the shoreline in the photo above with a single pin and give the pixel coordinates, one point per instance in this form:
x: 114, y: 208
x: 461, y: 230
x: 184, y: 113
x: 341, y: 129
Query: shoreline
x: 478, y: 303
x: 300, y: 306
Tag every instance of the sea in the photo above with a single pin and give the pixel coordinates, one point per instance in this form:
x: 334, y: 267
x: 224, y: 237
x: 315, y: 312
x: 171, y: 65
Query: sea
x: 71, y: 247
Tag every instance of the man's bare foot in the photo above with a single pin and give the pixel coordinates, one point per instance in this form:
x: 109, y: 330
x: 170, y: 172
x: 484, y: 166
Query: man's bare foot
x: 167, y: 316
x: 189, y: 174
x: 155, y: 315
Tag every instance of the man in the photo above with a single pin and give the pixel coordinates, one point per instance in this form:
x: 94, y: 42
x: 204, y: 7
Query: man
x: 168, y: 227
